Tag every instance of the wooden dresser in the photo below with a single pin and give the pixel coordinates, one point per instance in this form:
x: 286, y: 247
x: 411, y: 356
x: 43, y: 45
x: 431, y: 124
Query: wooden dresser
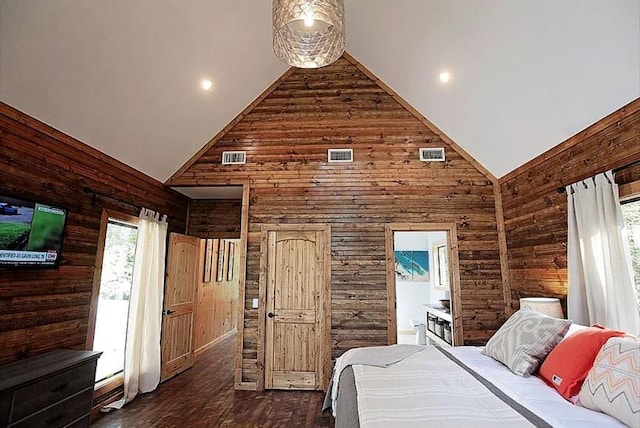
x: 50, y: 390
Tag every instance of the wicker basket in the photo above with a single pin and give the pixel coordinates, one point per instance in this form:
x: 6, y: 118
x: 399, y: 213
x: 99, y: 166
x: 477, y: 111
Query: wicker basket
x: 431, y: 323
x: 439, y: 328
x: 447, y: 333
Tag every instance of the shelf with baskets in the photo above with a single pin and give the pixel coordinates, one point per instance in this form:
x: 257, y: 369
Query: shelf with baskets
x: 439, y: 325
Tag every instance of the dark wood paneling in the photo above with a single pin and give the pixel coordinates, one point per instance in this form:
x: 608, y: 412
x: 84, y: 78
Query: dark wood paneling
x: 41, y: 310
x: 536, y: 214
x: 629, y: 174
x: 215, y: 219
x: 286, y: 136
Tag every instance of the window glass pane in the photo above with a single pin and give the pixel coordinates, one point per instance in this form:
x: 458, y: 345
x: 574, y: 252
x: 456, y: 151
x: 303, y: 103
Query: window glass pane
x: 631, y: 214
x: 113, y: 302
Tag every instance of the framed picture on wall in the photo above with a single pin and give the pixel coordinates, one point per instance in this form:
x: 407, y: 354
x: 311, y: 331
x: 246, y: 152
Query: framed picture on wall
x: 208, y: 260
x: 220, y: 262
x: 412, y: 266
x: 230, y: 257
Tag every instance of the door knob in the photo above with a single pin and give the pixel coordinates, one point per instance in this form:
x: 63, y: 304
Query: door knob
x: 271, y: 315
x: 168, y: 312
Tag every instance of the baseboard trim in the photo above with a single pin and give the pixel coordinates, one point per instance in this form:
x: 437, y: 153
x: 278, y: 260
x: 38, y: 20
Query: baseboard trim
x: 246, y: 386
x: 203, y: 348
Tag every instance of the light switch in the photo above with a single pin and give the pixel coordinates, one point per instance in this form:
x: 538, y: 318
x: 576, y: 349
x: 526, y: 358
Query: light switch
x: 254, y: 304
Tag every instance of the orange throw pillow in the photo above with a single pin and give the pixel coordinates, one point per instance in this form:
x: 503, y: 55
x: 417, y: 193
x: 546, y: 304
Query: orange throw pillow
x: 568, y: 364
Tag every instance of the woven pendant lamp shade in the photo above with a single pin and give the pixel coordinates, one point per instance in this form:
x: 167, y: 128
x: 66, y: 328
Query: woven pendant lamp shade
x: 308, y: 33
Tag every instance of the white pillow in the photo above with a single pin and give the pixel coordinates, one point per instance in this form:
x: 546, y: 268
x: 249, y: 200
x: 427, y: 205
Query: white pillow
x: 574, y: 328
x: 524, y: 341
x: 613, y: 383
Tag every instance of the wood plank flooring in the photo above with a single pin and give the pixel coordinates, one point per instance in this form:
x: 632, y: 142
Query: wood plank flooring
x: 203, y: 396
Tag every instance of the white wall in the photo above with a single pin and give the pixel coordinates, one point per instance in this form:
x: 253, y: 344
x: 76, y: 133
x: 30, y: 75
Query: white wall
x: 410, y: 296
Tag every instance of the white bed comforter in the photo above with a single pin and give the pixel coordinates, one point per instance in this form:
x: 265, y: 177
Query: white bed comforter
x: 429, y: 389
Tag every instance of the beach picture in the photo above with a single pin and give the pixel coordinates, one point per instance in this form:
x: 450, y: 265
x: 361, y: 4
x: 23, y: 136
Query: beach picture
x: 412, y: 266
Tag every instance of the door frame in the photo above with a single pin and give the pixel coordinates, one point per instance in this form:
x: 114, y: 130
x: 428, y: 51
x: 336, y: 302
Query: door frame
x: 454, y: 274
x: 104, y: 387
x: 241, y: 304
x: 325, y: 307
x: 97, y: 269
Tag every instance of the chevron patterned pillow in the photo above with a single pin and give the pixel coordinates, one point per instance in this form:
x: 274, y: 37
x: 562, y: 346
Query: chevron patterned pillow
x: 613, y: 384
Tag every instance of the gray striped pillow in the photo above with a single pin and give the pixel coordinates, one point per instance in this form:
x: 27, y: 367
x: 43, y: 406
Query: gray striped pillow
x: 524, y: 341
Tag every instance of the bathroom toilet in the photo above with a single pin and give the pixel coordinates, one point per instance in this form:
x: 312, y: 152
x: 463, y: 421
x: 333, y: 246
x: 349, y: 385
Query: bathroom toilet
x: 420, y: 329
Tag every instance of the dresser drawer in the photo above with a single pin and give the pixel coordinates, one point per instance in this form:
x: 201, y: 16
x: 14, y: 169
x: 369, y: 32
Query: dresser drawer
x: 61, y: 414
x: 5, y: 407
x: 83, y: 422
x: 45, y: 392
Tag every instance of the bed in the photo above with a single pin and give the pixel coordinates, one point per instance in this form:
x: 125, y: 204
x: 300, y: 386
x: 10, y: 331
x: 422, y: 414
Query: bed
x: 418, y: 386
x: 452, y: 387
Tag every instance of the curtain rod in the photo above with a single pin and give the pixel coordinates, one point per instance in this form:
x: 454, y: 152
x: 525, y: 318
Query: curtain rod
x: 94, y: 199
x: 627, y: 166
x: 563, y: 189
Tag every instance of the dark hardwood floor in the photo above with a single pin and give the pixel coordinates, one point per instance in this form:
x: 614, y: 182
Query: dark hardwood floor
x: 203, y: 396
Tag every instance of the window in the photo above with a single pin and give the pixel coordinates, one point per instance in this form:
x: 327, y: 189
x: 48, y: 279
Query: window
x: 631, y: 214
x: 113, y: 300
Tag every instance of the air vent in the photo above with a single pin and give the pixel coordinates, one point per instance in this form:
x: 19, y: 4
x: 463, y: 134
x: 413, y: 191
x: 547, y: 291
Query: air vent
x: 432, y: 155
x: 234, y: 158
x: 340, y: 155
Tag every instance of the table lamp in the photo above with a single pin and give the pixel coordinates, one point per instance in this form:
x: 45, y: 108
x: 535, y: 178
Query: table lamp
x: 549, y: 306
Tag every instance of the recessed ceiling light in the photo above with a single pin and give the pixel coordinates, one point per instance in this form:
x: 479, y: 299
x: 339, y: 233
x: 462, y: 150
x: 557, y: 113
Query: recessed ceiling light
x: 445, y: 77
x: 206, y: 84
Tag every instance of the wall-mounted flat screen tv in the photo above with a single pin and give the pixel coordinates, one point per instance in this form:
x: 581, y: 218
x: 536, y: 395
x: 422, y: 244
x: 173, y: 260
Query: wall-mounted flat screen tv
x: 30, y: 233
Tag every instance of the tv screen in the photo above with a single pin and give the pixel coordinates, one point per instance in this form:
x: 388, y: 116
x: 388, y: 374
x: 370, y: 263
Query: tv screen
x: 30, y: 233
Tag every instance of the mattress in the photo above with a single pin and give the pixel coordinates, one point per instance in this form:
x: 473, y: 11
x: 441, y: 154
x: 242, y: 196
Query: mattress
x: 396, y: 386
x: 532, y: 392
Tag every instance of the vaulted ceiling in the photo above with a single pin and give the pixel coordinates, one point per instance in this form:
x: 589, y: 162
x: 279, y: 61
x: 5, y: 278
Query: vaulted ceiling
x: 124, y: 75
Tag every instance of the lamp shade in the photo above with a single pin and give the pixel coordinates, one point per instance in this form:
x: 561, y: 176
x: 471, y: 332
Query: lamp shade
x: 549, y: 306
x: 308, y: 33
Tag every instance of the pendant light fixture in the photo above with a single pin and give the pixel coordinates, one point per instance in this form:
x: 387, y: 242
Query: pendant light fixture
x: 308, y: 33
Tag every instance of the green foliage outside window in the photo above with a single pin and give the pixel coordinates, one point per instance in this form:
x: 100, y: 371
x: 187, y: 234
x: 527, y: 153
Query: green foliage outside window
x: 117, y: 265
x: 631, y: 214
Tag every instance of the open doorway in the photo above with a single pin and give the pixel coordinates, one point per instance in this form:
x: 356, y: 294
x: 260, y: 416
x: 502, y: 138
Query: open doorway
x: 219, y: 215
x: 423, y: 284
x: 216, y: 293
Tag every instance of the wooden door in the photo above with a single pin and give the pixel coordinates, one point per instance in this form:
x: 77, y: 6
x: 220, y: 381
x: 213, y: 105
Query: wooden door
x: 296, y: 270
x: 179, y: 295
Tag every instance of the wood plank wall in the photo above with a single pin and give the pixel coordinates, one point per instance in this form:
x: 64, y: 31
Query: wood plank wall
x: 216, y: 300
x: 536, y: 214
x: 215, y: 218
x: 41, y: 310
x: 286, y: 136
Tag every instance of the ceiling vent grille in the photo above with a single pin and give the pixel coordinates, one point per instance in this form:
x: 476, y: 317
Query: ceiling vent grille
x: 234, y: 158
x: 340, y: 155
x: 432, y: 154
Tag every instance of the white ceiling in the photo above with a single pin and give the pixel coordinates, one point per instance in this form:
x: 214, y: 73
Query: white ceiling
x: 123, y: 75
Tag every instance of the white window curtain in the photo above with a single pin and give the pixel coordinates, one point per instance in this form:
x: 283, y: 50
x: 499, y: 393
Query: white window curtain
x: 599, y: 261
x: 142, y: 352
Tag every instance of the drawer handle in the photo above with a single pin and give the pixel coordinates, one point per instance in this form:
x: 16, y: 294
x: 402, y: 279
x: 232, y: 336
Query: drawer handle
x: 54, y: 419
x: 59, y: 387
